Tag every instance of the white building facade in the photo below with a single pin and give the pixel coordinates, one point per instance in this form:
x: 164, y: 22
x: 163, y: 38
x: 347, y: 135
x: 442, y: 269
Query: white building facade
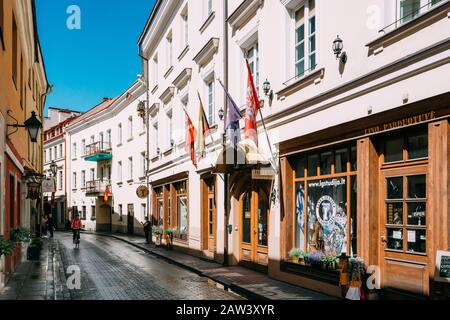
x: 107, y: 147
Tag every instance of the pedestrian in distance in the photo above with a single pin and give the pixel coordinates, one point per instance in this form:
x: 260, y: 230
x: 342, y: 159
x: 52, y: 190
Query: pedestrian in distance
x: 50, y: 225
x: 44, y: 220
x: 76, y: 227
x: 146, y: 225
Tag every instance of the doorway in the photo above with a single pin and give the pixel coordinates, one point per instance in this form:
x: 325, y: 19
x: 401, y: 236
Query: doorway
x: 130, y: 219
x: 254, y: 225
x: 209, y: 210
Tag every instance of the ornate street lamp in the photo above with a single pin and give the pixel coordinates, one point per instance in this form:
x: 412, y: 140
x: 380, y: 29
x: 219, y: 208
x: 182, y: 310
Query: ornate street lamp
x: 267, y: 90
x: 338, y: 46
x: 221, y: 114
x: 33, y: 125
x: 141, y: 109
x: 53, y: 168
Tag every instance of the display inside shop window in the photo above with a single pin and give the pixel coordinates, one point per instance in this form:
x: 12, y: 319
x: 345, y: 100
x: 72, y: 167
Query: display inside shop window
x: 417, y: 240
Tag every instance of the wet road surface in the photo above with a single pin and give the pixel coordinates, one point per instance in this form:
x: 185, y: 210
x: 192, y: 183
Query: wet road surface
x: 113, y: 270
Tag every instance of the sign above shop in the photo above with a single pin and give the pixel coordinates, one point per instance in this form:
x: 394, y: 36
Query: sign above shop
x: 263, y: 174
x: 49, y: 185
x: 443, y: 266
x: 402, y: 122
x: 142, y: 192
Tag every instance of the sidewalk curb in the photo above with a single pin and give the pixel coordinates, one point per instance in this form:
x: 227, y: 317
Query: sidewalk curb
x: 249, y: 294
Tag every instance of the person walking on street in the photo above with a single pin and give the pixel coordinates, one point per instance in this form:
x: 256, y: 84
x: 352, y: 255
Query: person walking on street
x: 146, y: 225
x: 50, y: 225
x: 44, y: 220
x: 76, y: 227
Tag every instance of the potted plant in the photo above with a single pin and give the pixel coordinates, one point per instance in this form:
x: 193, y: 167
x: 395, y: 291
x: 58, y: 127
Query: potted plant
x: 34, y: 249
x: 6, y: 248
x: 331, y: 262
x: 296, y: 254
x: 316, y: 258
x: 169, y: 238
x: 157, y: 231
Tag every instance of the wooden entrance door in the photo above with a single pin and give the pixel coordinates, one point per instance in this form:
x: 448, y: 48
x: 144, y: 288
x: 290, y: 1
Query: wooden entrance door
x: 404, y: 233
x: 209, y: 215
x: 254, y: 225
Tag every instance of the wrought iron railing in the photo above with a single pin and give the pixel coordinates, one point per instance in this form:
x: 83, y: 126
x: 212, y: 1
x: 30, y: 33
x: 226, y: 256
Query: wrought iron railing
x: 300, y: 75
x: 98, y: 147
x: 97, y: 186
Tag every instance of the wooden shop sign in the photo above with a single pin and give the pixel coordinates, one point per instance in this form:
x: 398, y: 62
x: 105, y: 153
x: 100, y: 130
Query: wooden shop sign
x: 402, y: 122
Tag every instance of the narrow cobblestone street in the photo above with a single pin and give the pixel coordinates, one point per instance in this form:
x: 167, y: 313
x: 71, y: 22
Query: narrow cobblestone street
x: 113, y: 270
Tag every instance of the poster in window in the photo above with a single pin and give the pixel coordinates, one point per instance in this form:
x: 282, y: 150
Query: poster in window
x: 327, y: 215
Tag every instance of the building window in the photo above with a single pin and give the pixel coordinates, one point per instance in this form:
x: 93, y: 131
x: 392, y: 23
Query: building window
x: 130, y: 127
x: 209, y: 7
x: 74, y: 180
x: 253, y: 61
x: 170, y: 129
x: 83, y: 213
x: 60, y: 151
x: 169, y: 50
x: 74, y: 150
x: 325, y: 200
x: 45, y: 155
x: 60, y: 180
x: 93, y: 213
x: 211, y: 103
x: 143, y: 210
x: 182, y: 210
x: 55, y: 151
x: 83, y: 147
x: 83, y: 179
x: 119, y: 171
x: 185, y: 26
x: 305, y: 39
x: 143, y: 165
x: 14, y: 50
x: 155, y: 138
x: 409, y: 146
x: 155, y: 70
x: 108, y: 139
x: 130, y: 168
x: 410, y: 9
x: 92, y: 139
x: 159, y: 206
x: 119, y: 133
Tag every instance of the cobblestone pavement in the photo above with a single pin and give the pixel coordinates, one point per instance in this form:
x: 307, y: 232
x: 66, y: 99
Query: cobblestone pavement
x: 113, y: 270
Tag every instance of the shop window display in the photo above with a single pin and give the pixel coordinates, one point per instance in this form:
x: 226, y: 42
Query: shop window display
x: 325, y: 218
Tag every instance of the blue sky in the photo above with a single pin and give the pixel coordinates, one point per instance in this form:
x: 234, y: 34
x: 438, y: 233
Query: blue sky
x: 99, y: 60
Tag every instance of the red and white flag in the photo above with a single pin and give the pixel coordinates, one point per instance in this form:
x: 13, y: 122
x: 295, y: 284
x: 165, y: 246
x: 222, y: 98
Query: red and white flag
x: 253, y: 106
x: 191, y: 134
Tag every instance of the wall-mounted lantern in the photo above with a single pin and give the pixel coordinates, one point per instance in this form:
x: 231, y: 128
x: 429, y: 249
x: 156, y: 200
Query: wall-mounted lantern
x: 338, y: 46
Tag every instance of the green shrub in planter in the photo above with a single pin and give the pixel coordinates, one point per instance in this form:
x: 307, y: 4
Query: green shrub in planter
x: 6, y: 247
x: 21, y: 235
x: 296, y: 254
x: 36, y: 242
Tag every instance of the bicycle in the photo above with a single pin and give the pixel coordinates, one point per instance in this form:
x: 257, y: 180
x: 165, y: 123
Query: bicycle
x: 76, y: 241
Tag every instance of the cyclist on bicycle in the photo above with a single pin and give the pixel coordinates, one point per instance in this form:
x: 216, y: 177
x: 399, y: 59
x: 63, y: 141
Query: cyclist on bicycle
x: 76, y: 227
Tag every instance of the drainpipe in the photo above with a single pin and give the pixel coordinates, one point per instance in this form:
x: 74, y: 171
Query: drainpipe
x: 147, y: 126
x: 224, y: 137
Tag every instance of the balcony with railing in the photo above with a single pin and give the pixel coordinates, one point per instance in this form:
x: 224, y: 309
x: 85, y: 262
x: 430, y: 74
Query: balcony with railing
x: 98, y: 151
x: 97, y: 188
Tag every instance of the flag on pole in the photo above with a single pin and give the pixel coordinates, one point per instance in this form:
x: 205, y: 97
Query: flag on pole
x: 204, y: 128
x: 232, y: 120
x: 190, y: 140
x: 253, y: 106
x: 107, y: 193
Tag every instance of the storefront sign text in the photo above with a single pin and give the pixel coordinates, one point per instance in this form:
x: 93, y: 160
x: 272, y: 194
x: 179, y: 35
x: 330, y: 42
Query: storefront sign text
x: 443, y: 266
x: 401, y: 123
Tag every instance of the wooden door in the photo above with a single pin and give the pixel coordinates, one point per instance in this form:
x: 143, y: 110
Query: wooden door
x: 403, y: 225
x: 209, y: 215
x: 254, y: 218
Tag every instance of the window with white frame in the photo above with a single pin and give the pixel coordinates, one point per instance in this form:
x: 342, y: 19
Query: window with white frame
x: 45, y: 155
x: 155, y: 138
x: 130, y: 127
x: 119, y: 133
x: 74, y: 180
x: 409, y: 9
x: 305, y: 39
x: 210, y: 91
x: 101, y: 139
x: 209, y: 7
x: 108, y: 138
x: 253, y: 61
x: 92, y: 139
x: 60, y: 150
x: 169, y: 51
x: 170, y: 129
x: 92, y: 174
x: 130, y: 168
x: 143, y: 165
x: 119, y: 171
x: 60, y: 180
x: 83, y: 179
x: 55, y: 151
x: 155, y: 70
x: 143, y: 210
x: 185, y: 28
x: 74, y: 150
x: 83, y: 147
